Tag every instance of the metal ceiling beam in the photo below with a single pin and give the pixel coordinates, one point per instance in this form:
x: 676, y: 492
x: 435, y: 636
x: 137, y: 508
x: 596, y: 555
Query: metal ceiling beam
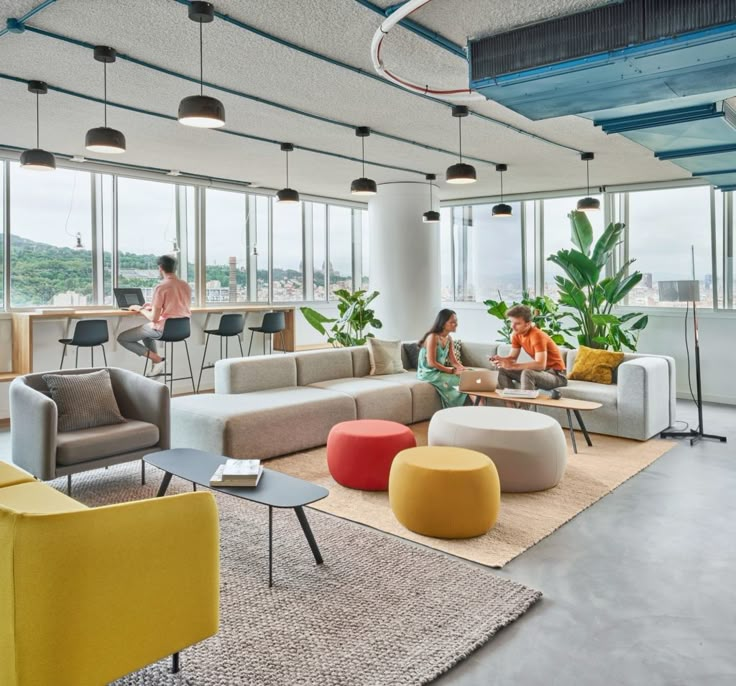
x: 695, y: 152
x: 648, y: 120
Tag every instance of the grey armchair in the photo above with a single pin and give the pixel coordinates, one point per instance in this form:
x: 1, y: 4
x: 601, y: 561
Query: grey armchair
x: 38, y: 447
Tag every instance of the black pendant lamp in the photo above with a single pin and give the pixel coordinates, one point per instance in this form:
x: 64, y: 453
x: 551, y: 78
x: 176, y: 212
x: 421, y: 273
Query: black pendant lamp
x: 37, y: 159
x: 460, y: 172
x: 102, y: 138
x: 588, y: 204
x: 432, y: 216
x: 287, y: 195
x: 502, y: 209
x: 201, y: 110
x: 363, y: 185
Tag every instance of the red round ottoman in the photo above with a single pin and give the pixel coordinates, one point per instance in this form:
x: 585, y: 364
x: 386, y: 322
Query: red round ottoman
x: 360, y: 453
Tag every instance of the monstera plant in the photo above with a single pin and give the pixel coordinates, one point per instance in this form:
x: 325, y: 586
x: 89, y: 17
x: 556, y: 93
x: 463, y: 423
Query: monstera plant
x: 589, y: 295
x: 546, y: 315
x: 355, y: 317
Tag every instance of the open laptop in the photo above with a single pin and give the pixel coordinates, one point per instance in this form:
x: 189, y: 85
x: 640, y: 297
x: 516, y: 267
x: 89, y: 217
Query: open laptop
x: 126, y: 297
x: 472, y: 380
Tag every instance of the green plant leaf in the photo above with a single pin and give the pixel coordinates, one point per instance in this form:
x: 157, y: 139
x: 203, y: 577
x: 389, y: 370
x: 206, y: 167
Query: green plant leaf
x: 606, y: 243
x: 581, y: 231
x: 316, y: 319
x: 640, y: 324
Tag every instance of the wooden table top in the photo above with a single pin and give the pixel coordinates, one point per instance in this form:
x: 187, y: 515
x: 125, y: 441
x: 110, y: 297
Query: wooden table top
x: 90, y: 313
x: 563, y: 403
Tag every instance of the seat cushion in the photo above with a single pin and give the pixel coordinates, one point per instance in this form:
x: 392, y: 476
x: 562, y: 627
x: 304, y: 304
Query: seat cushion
x: 76, y: 447
x: 424, y: 397
x: 375, y: 398
x: 84, y: 401
x: 10, y: 475
x: 37, y: 498
x: 605, y: 394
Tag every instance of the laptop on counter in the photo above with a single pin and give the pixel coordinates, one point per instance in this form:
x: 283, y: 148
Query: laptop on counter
x: 472, y: 380
x: 125, y: 297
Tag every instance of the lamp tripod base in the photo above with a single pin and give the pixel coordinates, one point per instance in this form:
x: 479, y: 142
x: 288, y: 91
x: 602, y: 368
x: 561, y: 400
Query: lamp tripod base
x: 693, y: 435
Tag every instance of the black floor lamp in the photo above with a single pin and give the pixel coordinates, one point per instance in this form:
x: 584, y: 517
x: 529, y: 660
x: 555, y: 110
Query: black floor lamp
x: 689, y: 292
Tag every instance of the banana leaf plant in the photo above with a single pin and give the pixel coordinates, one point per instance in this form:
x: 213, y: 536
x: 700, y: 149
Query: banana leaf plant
x: 589, y: 295
x: 355, y: 317
x: 546, y: 315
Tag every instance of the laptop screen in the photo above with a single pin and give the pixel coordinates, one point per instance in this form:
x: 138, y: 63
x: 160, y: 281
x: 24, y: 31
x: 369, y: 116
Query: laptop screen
x: 126, y: 297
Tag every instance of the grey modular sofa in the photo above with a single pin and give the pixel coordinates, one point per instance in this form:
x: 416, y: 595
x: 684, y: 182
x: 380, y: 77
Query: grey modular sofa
x: 273, y: 405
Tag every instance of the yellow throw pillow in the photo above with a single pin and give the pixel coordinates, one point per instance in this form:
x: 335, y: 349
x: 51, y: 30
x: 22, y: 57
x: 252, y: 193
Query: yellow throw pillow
x: 595, y: 365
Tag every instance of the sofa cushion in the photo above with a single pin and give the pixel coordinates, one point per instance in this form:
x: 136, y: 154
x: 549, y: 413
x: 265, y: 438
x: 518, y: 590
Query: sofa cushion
x: 606, y: 394
x: 385, y: 357
x: 84, y: 401
x: 595, y: 365
x: 361, y: 361
x: 10, y: 475
x: 425, y: 400
x: 246, y: 375
x: 375, y: 398
x: 75, y: 447
x: 410, y: 354
x: 477, y: 354
x: 37, y: 498
x: 322, y: 365
x: 258, y: 425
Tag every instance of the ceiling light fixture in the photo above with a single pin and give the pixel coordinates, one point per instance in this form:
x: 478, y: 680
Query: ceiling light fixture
x: 102, y: 138
x: 37, y: 159
x: 502, y: 209
x: 363, y: 186
x: 588, y: 204
x: 460, y: 172
x: 287, y: 195
x: 432, y: 216
x: 201, y: 110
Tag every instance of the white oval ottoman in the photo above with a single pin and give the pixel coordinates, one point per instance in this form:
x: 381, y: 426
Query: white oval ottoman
x: 528, y: 448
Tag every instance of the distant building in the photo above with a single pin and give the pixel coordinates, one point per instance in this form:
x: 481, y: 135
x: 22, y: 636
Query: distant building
x: 647, y: 280
x: 69, y: 298
x: 708, y: 281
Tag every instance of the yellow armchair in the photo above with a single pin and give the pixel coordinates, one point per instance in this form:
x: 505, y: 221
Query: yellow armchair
x: 88, y: 595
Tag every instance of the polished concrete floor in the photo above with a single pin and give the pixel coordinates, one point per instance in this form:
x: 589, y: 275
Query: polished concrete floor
x: 639, y: 589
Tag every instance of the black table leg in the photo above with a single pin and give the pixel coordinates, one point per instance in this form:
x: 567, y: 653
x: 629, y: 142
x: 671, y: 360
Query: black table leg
x: 270, y: 546
x: 164, y: 485
x: 572, y: 431
x: 308, y: 533
x: 581, y: 424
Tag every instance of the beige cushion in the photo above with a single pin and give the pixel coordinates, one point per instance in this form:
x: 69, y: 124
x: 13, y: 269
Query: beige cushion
x: 84, y: 400
x: 76, y: 447
x: 385, y: 357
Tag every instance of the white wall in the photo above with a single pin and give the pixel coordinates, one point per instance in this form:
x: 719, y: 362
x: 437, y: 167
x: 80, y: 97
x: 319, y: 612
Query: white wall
x: 665, y: 335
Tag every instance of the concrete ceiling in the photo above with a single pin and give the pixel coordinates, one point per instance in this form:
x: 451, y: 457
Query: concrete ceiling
x: 159, y: 33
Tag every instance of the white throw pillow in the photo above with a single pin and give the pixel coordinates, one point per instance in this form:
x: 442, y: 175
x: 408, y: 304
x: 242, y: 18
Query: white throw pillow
x: 385, y: 357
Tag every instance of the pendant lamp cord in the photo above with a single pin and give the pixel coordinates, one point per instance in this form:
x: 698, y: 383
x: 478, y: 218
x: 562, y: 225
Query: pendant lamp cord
x: 287, y: 168
x: 104, y: 64
x: 201, y: 62
x: 37, y: 124
x: 362, y: 145
x: 502, y: 187
x: 460, y: 135
x: 587, y: 174
x: 430, y: 195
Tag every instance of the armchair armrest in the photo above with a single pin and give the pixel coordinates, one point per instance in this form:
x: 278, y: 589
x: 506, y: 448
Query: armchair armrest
x: 104, y: 591
x: 33, y: 417
x: 643, y: 397
x: 145, y: 400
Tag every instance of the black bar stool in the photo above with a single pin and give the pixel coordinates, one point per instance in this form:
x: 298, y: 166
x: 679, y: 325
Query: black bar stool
x: 273, y: 322
x: 175, y: 330
x: 230, y: 325
x: 88, y: 333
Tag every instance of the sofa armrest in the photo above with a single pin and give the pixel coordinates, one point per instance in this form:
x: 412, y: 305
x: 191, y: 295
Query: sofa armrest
x: 643, y: 397
x: 104, y: 591
x: 145, y: 400
x: 33, y: 420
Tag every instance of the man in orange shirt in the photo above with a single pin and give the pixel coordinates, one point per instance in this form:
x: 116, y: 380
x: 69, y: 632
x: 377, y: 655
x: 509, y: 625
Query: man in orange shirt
x: 171, y: 298
x: 547, y: 368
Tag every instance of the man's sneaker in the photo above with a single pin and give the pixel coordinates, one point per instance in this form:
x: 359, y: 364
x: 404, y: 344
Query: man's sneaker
x: 157, y: 368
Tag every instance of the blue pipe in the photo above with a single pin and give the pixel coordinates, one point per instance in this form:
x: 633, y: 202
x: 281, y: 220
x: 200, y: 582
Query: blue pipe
x: 362, y: 72
x: 414, y: 27
x: 254, y: 98
x: 230, y: 132
x: 16, y: 25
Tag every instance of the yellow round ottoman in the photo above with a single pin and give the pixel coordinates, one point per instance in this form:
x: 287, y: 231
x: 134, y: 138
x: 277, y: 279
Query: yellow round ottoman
x: 444, y: 492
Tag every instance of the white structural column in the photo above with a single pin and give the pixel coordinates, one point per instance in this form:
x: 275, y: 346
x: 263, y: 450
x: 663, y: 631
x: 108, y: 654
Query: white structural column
x: 404, y: 259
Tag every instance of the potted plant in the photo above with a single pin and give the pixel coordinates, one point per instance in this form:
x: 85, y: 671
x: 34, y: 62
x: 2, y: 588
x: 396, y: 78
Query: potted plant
x: 590, y: 299
x: 355, y: 317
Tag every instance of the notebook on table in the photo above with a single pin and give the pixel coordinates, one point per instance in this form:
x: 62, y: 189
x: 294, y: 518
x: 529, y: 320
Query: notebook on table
x: 473, y: 380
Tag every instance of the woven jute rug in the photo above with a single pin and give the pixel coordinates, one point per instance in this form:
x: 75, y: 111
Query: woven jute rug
x: 379, y: 611
x: 525, y: 518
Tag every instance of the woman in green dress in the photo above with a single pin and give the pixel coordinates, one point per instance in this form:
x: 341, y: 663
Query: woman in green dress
x: 437, y: 362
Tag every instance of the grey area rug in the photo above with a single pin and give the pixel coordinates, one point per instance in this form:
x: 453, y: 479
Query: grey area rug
x: 380, y: 610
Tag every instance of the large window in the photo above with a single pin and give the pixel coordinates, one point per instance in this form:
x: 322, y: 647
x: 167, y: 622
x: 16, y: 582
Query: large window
x: 340, y: 249
x: 666, y: 228
x: 287, y: 274
x: 2, y: 234
x: 362, y: 217
x: 51, y: 230
x: 318, y: 216
x: 226, y: 273
x: 447, y: 278
x: 146, y: 229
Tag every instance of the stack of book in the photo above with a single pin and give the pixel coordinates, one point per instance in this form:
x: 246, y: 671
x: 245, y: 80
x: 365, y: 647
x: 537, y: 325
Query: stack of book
x: 517, y: 393
x: 237, y: 473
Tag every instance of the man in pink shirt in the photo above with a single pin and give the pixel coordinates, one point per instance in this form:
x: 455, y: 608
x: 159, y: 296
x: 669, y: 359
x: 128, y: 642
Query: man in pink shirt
x: 171, y: 299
